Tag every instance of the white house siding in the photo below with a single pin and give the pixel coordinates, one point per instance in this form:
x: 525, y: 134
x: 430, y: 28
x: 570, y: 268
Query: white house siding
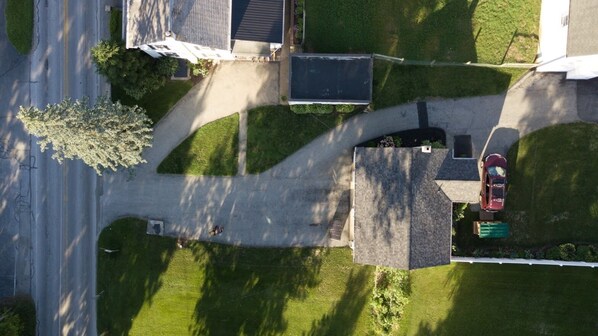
x: 188, y: 51
x: 553, y: 33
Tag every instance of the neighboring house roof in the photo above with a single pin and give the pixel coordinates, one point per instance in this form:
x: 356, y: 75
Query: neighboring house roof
x: 147, y: 21
x: 582, y: 38
x: 203, y: 22
x: 258, y: 20
x: 327, y: 78
x: 402, y: 218
x: 209, y: 23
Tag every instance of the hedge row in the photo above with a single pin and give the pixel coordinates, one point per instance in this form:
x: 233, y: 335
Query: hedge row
x: 321, y: 108
x: 566, y: 252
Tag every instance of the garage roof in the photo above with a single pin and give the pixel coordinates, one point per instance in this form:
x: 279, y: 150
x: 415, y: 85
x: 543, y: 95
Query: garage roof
x: 330, y: 79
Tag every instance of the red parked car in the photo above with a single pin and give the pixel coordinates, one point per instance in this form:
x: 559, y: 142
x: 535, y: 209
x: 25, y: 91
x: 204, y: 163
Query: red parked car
x: 494, y: 183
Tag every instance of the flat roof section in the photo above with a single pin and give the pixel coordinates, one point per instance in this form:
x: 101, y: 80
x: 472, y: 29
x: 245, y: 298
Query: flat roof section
x: 258, y: 20
x: 330, y: 79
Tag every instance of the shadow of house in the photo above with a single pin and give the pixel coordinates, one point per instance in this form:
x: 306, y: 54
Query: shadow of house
x: 403, y: 204
x: 205, y: 29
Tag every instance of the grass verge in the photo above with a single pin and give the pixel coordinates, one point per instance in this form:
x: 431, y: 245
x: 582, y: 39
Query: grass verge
x: 211, y: 150
x: 116, y: 25
x: 19, y: 24
x: 440, y: 30
x: 461, y: 299
x: 149, y: 287
x: 274, y: 132
x: 157, y: 103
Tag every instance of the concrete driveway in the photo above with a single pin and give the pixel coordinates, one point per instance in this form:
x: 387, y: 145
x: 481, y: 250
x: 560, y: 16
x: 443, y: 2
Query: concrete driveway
x: 292, y: 203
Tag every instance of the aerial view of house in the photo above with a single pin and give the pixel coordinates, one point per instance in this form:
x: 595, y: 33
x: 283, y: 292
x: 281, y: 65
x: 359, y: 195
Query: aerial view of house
x: 304, y: 167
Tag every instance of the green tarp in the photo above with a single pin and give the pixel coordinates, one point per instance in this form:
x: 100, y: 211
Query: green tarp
x: 494, y: 230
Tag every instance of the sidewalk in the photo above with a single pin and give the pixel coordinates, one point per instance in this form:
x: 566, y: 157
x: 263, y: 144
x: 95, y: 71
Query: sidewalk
x: 231, y: 88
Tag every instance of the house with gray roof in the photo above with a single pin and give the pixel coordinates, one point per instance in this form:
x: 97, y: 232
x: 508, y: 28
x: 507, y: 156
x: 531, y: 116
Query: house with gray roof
x: 402, y: 204
x: 569, y: 38
x: 204, y: 29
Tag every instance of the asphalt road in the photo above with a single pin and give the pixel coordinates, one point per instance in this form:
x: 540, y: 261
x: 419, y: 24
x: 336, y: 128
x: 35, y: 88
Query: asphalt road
x: 64, y: 196
x: 15, y: 193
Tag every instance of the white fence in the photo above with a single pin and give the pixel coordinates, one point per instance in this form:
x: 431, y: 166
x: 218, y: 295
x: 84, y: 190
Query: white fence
x: 524, y: 262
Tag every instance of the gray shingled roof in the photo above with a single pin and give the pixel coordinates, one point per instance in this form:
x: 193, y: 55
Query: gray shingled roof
x: 258, y: 20
x: 203, y: 22
x: 582, y: 36
x: 402, y: 217
x: 147, y: 21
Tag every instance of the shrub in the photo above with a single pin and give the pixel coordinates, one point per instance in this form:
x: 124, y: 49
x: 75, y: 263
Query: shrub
x: 389, y: 297
x: 346, y: 108
x: 166, y: 66
x: 434, y: 144
x: 312, y: 108
x: 567, y: 251
x: 201, y: 68
x: 387, y: 142
x: 459, y: 211
x: 553, y: 253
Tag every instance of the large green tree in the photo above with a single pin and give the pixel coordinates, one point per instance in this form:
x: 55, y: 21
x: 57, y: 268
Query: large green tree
x: 134, y: 71
x: 105, y: 136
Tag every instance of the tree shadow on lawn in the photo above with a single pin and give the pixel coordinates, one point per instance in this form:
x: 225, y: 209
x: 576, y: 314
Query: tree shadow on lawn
x: 211, y: 150
x: 130, y: 277
x: 245, y: 291
x: 506, y: 300
x: 347, y: 309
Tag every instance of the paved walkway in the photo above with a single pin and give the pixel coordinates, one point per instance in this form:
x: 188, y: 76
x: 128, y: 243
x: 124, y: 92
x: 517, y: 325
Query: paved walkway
x: 233, y: 87
x: 293, y: 203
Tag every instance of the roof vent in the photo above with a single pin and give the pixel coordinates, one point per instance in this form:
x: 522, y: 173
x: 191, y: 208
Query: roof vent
x: 426, y: 149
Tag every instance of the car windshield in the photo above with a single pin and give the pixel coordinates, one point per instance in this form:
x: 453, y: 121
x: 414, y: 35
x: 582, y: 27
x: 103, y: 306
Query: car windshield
x: 497, y: 193
x: 497, y: 171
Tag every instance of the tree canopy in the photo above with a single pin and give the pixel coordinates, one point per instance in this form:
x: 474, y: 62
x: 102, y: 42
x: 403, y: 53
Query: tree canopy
x: 105, y: 136
x: 134, y: 71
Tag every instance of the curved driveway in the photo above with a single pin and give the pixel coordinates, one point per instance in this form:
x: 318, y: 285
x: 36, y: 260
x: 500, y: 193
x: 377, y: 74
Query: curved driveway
x: 292, y: 204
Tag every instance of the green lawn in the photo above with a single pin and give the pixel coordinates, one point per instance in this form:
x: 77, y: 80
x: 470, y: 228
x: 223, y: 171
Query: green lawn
x: 156, y: 103
x: 274, y: 132
x: 462, y: 299
x: 459, y: 31
x: 149, y: 287
x: 551, y: 195
x: 212, y: 150
x: 19, y: 24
